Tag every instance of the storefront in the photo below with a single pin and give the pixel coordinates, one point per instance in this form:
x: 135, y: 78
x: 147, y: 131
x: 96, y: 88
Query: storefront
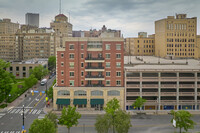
x: 62, y: 103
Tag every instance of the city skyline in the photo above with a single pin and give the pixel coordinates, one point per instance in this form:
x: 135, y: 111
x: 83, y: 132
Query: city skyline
x: 130, y: 16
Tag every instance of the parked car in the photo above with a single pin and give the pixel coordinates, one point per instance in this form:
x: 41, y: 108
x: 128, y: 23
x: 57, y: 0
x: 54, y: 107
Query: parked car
x: 43, y: 82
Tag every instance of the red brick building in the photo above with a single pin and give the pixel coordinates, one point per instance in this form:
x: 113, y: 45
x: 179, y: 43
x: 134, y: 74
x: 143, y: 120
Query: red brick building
x: 90, y: 65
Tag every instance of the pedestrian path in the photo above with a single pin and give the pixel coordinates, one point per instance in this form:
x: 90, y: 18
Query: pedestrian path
x: 26, y: 111
x: 10, y: 131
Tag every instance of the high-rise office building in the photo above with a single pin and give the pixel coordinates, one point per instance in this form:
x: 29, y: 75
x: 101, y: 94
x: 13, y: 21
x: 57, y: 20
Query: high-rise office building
x: 176, y: 37
x: 32, y: 19
x: 89, y: 73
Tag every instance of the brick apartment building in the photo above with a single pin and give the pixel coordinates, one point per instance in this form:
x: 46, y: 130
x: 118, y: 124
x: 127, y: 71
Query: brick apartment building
x: 89, y: 73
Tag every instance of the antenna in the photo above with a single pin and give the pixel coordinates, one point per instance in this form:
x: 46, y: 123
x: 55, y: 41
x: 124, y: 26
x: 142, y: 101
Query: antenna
x: 60, y: 8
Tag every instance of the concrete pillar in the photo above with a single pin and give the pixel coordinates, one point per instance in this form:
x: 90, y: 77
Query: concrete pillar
x: 125, y: 91
x: 88, y: 106
x: 195, y: 90
x: 159, y: 88
x: 140, y: 84
x: 177, y: 91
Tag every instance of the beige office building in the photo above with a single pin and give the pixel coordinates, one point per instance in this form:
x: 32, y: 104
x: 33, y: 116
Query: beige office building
x: 140, y: 46
x: 7, y: 27
x: 176, y: 37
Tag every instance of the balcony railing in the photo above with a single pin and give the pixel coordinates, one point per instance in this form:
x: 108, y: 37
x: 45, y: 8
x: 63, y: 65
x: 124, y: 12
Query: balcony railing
x: 168, y: 93
x: 168, y: 86
x: 94, y: 76
x: 186, y: 85
x: 94, y: 85
x: 133, y: 85
x: 186, y: 93
x: 92, y: 67
x: 92, y: 58
x: 149, y: 93
x: 133, y: 93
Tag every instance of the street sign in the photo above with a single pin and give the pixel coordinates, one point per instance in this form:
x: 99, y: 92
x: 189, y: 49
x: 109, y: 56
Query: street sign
x: 46, y: 98
x: 36, y: 91
x: 174, y: 123
x: 43, y: 91
x: 40, y: 93
x: 23, y: 127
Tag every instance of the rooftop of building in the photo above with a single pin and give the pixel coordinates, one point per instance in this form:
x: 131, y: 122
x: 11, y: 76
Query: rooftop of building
x: 31, y: 61
x: 156, y: 63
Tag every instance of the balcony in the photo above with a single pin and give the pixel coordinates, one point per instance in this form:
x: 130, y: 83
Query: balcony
x: 91, y: 59
x: 149, y: 93
x: 168, y: 86
x: 186, y: 93
x: 133, y: 86
x: 168, y: 93
x: 132, y: 78
x: 149, y: 78
x: 94, y: 85
x: 96, y: 77
x: 186, y: 85
x: 186, y: 101
x: 168, y: 78
x: 186, y: 78
x: 94, y: 69
x: 150, y: 86
x: 133, y: 94
x: 168, y: 101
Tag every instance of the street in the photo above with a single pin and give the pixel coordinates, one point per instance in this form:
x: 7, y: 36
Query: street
x: 11, y: 120
x: 144, y: 124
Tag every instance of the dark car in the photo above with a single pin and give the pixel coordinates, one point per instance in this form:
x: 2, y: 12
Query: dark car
x: 51, y: 76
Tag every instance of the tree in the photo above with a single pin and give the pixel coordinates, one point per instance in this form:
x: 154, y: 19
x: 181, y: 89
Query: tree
x: 39, y: 72
x: 139, y: 102
x: 6, y: 80
x: 42, y: 126
x: 183, y: 120
x: 30, y: 81
x: 53, y: 117
x: 122, y: 121
x: 69, y: 117
x: 111, y: 107
x: 50, y: 92
x: 103, y: 123
x: 52, y: 62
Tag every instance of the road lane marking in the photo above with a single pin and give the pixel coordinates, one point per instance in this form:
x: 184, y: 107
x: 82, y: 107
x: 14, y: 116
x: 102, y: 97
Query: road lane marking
x: 38, y: 111
x: 34, y: 111
x: 17, y: 111
x: 26, y: 111
x: 13, y: 111
x: 31, y: 111
x: 39, y: 101
x: 33, y: 100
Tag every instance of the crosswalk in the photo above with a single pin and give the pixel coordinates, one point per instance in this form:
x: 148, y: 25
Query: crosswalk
x: 10, y: 131
x: 26, y: 111
x: 2, y: 114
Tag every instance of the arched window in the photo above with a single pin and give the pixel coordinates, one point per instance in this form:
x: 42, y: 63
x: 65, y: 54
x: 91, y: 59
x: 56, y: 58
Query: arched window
x: 63, y: 92
x: 113, y: 93
x: 80, y: 93
x: 96, y: 93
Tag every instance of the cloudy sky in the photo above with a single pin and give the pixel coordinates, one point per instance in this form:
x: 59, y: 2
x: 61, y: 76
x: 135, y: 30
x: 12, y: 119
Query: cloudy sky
x: 129, y: 16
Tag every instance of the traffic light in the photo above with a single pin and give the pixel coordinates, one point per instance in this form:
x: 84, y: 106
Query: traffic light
x: 32, y: 93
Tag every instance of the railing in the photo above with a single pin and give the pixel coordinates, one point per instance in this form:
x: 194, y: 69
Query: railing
x: 149, y: 93
x: 133, y: 85
x: 168, y: 101
x: 168, y: 85
x: 150, y: 85
x: 186, y: 101
x: 91, y: 67
x: 168, y: 78
x: 92, y: 58
x: 168, y: 93
x: 94, y: 85
x: 149, y: 78
x: 94, y: 76
x: 133, y: 78
x: 186, y: 85
x: 133, y: 93
x: 186, y: 93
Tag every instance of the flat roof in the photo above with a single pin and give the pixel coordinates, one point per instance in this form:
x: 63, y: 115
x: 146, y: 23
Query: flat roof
x: 156, y: 63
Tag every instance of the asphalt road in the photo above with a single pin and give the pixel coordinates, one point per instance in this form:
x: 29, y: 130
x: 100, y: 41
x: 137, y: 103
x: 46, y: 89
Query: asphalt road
x: 143, y: 124
x: 11, y: 120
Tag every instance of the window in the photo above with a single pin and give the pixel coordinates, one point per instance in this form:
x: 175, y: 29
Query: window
x: 82, y: 56
x: 108, y: 74
x: 82, y: 65
x: 107, y: 56
x: 107, y: 82
x: 62, y: 63
x: 17, y: 68
x: 82, y: 83
x: 71, y: 46
x: 11, y: 68
x: 107, y: 64
x: 63, y: 92
x: 118, y: 82
x: 113, y: 93
x: 62, y: 55
x: 71, y: 64
x: 107, y: 46
x: 118, y: 56
x: 96, y: 93
x: 71, y: 74
x: 24, y: 74
x: 82, y: 73
x: 118, y: 64
x: 24, y: 68
x: 82, y: 46
x: 62, y: 73
x: 80, y: 93
x: 71, y: 56
x: 118, y: 74
x: 62, y: 81
x: 118, y: 47
x: 71, y: 82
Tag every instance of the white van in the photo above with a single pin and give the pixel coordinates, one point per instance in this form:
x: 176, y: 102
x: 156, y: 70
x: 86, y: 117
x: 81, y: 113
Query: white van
x: 43, y: 82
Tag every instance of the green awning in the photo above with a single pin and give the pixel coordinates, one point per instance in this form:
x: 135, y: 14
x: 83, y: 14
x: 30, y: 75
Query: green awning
x: 96, y: 101
x: 63, y: 101
x: 80, y: 101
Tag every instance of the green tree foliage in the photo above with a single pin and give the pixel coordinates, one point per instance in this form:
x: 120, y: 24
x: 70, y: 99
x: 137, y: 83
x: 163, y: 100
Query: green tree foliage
x: 42, y: 126
x: 122, y: 121
x: 139, y: 102
x: 103, y: 123
x: 6, y: 80
x: 183, y: 120
x: 52, y: 62
x: 30, y: 81
x: 53, y: 117
x: 50, y: 92
x: 39, y: 72
x: 69, y: 117
x: 112, y: 106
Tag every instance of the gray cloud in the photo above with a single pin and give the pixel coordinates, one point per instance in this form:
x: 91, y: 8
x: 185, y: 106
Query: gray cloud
x: 130, y: 16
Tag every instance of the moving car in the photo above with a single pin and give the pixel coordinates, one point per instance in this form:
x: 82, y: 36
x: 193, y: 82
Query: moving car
x: 43, y: 82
